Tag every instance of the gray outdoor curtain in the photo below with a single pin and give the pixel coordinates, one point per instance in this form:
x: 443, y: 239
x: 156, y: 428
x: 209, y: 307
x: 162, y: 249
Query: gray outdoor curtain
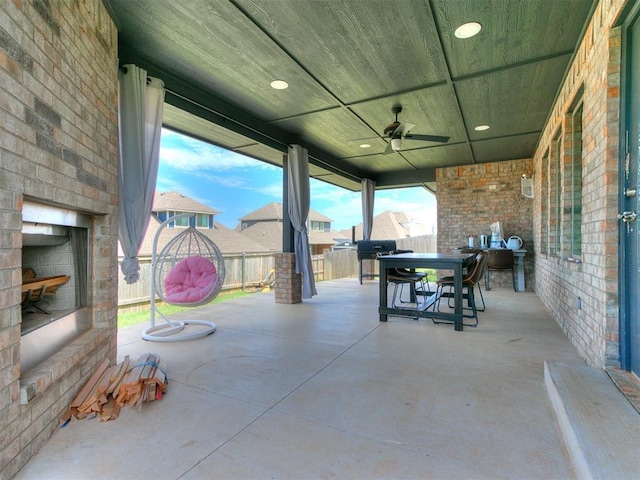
x: 139, y: 126
x: 299, y: 199
x: 368, y: 188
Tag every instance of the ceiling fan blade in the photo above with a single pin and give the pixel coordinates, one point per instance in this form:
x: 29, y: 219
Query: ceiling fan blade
x: 388, y: 150
x: 403, y: 129
x: 428, y: 138
x: 361, y: 139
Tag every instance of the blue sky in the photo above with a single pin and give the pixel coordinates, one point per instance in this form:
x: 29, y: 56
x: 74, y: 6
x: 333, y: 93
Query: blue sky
x: 236, y: 185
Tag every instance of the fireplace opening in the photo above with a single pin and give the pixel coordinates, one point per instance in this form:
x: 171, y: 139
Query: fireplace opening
x: 55, y: 266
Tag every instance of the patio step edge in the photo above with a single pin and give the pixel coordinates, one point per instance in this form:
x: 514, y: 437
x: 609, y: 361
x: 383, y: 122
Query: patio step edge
x: 599, y: 425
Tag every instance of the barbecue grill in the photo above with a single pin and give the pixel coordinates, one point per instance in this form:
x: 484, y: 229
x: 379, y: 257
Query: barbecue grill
x: 369, y: 250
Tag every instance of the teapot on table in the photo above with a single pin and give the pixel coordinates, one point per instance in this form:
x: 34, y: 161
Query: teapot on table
x: 514, y: 243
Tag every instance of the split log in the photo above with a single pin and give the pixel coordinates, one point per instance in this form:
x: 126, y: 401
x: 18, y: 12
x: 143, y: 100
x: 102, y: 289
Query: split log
x: 91, y: 383
x: 148, y: 369
x: 111, y: 387
x: 116, y: 380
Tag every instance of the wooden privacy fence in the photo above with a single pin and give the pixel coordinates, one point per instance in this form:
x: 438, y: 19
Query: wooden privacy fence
x: 242, y: 271
x: 338, y: 264
x: 247, y: 271
x: 423, y: 243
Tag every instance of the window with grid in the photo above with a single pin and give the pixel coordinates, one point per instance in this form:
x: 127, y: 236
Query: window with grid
x: 573, y: 187
x: 555, y: 189
x: 202, y: 220
x: 180, y: 222
x: 561, y: 210
x: 317, y: 226
x: 544, y: 205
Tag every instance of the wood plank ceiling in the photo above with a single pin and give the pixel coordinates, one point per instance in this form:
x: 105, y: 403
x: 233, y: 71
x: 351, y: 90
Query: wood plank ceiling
x: 348, y: 63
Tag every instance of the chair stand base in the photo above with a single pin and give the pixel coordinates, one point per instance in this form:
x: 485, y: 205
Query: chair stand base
x: 175, y: 331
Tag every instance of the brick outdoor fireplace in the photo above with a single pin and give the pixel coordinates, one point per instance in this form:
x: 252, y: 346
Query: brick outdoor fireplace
x: 55, y: 266
x: 58, y: 213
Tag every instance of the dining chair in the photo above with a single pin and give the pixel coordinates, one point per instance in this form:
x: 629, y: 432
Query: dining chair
x: 469, y: 283
x: 401, y: 277
x: 500, y: 259
x: 468, y: 273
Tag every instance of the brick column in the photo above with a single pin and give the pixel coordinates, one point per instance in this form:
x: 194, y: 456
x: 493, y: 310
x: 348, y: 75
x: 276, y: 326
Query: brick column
x: 288, y: 282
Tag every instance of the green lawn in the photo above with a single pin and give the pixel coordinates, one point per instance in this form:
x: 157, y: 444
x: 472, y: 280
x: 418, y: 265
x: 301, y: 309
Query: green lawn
x: 132, y: 318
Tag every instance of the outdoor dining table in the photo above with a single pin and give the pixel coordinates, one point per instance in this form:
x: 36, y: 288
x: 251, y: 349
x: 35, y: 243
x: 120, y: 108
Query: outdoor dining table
x: 437, y: 261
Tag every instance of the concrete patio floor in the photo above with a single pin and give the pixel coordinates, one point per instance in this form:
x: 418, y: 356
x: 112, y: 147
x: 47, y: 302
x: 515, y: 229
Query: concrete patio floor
x: 322, y: 389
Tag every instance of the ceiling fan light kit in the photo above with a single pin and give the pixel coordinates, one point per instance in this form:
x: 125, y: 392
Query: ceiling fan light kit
x: 398, y: 131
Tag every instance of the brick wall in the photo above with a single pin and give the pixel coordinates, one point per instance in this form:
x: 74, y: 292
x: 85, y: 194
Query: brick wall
x: 288, y: 283
x: 583, y: 296
x: 472, y: 197
x: 58, y: 144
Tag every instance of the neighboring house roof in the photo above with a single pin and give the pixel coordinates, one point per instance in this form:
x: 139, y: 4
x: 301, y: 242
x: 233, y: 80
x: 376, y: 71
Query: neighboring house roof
x: 402, y: 218
x: 177, y: 202
x: 227, y: 240
x: 273, y: 211
x: 266, y: 227
x: 387, y: 225
x: 323, y: 238
x: 269, y: 234
x: 318, y: 217
x: 264, y: 236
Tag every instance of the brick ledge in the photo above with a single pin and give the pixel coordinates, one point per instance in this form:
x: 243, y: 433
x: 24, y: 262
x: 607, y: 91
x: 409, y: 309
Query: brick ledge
x: 36, y: 381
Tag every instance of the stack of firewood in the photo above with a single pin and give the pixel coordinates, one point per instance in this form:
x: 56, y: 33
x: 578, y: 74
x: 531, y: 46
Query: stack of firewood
x: 112, y: 387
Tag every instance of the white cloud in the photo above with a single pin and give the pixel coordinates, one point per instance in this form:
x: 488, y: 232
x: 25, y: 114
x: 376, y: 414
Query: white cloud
x: 234, y: 181
x: 416, y: 202
x: 272, y: 190
x: 189, y: 155
x: 170, y: 185
x: 345, y: 208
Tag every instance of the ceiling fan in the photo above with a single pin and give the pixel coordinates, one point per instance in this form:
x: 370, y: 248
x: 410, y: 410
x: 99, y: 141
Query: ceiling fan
x: 398, y: 131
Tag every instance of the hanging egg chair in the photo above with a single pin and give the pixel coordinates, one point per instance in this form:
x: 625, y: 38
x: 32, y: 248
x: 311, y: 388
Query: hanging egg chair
x: 188, y: 272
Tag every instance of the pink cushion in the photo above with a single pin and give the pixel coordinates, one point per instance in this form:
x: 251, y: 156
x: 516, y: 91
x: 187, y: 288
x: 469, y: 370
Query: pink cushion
x: 191, y: 280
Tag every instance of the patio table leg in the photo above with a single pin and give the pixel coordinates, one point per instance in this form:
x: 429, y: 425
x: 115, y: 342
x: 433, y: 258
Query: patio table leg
x: 383, y: 290
x: 457, y: 279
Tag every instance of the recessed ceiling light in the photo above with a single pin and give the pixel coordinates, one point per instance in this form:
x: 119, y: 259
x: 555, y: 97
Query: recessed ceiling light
x: 279, y: 84
x: 364, y: 145
x: 481, y: 128
x: 468, y: 30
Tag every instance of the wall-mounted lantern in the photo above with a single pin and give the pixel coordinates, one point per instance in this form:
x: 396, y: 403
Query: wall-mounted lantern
x: 526, y: 185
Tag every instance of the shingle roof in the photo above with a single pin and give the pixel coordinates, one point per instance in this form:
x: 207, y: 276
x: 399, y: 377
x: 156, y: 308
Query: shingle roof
x: 177, y: 202
x: 401, y: 217
x: 270, y: 211
x: 273, y: 211
x: 386, y: 226
x: 269, y: 234
x: 227, y: 240
x: 323, y: 238
x: 262, y: 237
